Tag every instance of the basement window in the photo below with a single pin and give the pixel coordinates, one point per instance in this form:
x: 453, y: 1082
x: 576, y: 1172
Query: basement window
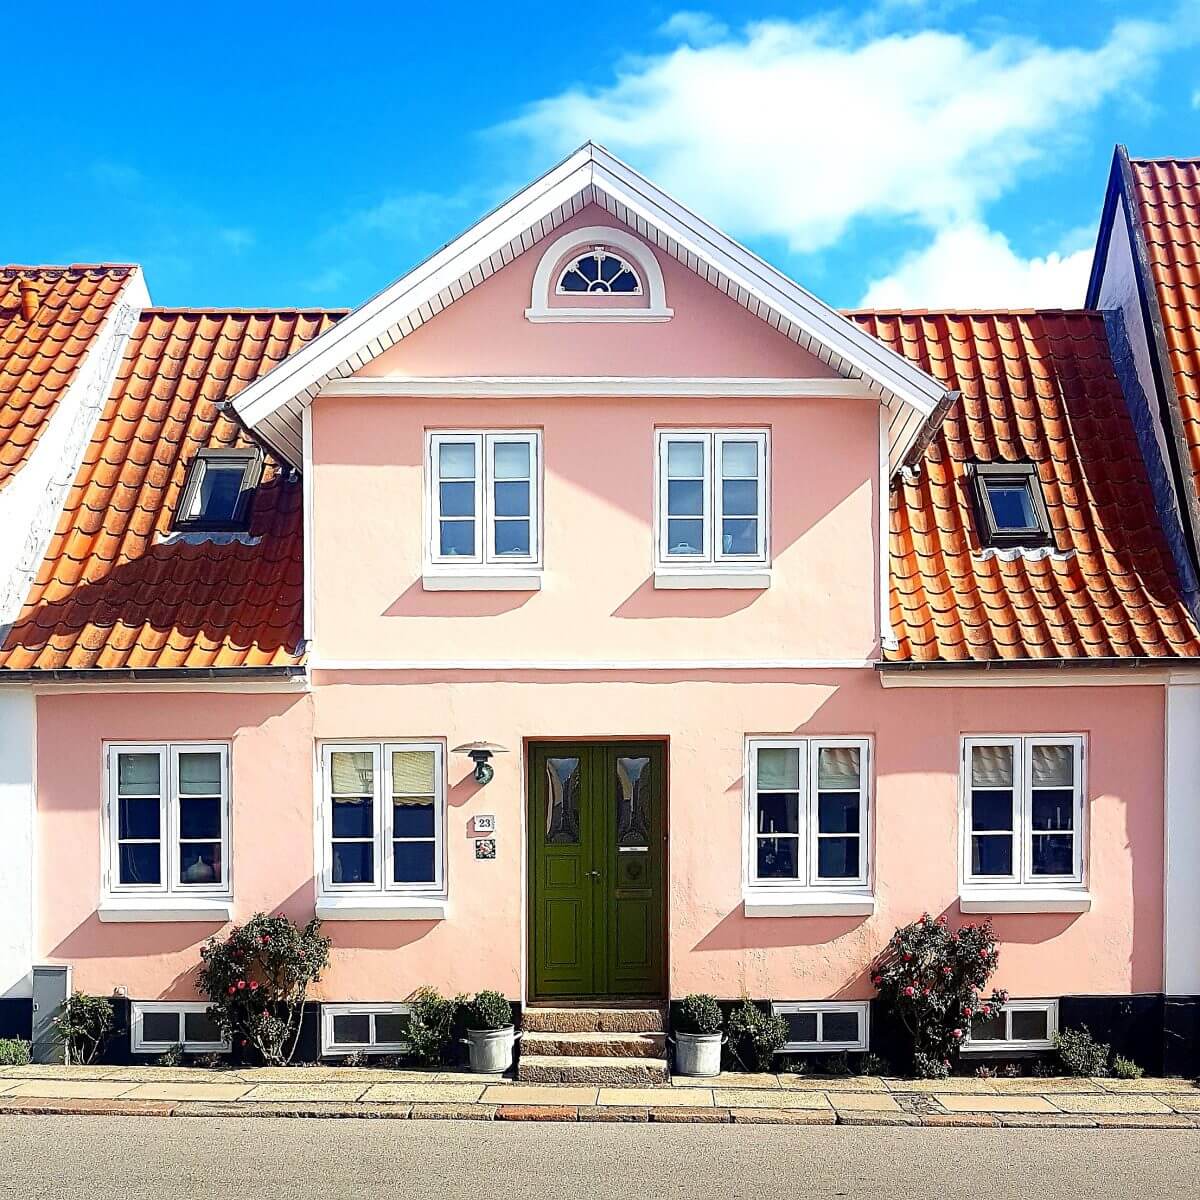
x: 156, y: 1027
x: 365, y: 1029
x: 1018, y: 1025
x: 818, y: 1026
x: 1010, y: 505
x: 218, y: 491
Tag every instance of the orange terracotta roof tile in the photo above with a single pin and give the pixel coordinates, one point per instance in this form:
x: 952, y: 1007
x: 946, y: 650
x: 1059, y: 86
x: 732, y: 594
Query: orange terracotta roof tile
x: 1167, y: 195
x: 1036, y: 387
x: 115, y: 589
x: 48, y: 319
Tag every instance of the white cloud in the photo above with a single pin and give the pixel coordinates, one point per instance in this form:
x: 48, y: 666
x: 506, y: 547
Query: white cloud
x: 796, y: 129
x: 970, y: 266
x: 1196, y: 98
x: 695, y: 28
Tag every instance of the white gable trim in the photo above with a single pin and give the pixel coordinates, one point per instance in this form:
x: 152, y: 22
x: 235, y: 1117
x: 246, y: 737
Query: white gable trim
x: 566, y: 386
x: 273, y: 404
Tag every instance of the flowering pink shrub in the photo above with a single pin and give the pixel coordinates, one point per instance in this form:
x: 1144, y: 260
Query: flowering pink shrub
x: 257, y: 978
x: 933, y: 978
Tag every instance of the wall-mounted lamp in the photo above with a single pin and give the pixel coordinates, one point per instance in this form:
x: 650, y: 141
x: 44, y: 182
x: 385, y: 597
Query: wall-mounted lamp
x: 479, y: 753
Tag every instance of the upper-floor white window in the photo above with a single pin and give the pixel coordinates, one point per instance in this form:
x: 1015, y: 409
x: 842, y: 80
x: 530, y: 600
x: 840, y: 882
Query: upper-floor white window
x: 599, y: 271
x: 712, y: 497
x: 1022, y: 817
x: 807, y: 805
x: 167, y: 818
x: 484, y: 506
x: 383, y: 817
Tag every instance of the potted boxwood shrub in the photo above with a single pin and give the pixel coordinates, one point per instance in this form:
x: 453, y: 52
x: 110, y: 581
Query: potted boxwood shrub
x: 698, y: 1036
x: 490, y: 1033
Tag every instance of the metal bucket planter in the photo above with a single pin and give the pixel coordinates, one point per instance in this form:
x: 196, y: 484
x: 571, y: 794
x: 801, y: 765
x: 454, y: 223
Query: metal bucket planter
x: 491, y: 1050
x: 698, y: 1054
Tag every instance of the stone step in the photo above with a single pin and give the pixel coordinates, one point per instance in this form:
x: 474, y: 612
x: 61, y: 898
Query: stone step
x: 595, y: 1045
x: 598, y: 1072
x: 538, y: 1019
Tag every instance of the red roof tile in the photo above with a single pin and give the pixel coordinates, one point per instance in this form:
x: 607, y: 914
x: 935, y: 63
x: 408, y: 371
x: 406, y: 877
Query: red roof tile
x: 1037, y: 387
x: 115, y: 590
x: 39, y: 355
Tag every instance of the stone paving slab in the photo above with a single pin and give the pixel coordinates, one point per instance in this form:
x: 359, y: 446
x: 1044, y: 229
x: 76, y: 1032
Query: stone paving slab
x: 1183, y: 1104
x: 172, y: 1075
x: 300, y: 1093
x: 53, y: 1071
x: 730, y: 1079
x: 542, y: 1093
x: 70, y: 1089
x: 1108, y: 1103
x: 863, y: 1101
x: 1026, y: 1087
x: 832, y: 1083
x: 955, y: 1102
x: 975, y: 1087
x: 1157, y: 1086
x: 753, y: 1098
x: 187, y: 1091
x: 437, y: 1093
x: 658, y: 1097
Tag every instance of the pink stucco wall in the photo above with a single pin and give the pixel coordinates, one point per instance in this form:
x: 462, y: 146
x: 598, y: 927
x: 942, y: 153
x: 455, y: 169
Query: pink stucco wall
x: 1115, y: 948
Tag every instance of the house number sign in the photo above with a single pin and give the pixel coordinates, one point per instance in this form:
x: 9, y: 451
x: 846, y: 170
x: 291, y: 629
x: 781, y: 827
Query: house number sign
x: 485, y: 824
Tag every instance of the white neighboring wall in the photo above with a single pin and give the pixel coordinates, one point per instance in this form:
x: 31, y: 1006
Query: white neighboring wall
x: 16, y: 841
x: 1181, y: 900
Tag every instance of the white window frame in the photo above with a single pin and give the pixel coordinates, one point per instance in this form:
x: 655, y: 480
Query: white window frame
x: 383, y: 884
x: 332, y: 1049
x: 1022, y: 876
x: 806, y: 880
x: 138, y: 1043
x: 712, y: 557
x: 861, y: 1008
x: 484, y: 559
x: 169, y: 856
x: 1010, y: 1044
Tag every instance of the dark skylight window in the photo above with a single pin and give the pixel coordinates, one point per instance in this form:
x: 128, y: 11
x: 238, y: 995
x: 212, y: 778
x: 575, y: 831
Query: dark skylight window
x: 1011, y: 508
x: 218, y: 491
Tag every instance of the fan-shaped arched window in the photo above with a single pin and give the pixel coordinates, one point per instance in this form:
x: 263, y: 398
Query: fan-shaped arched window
x: 600, y: 271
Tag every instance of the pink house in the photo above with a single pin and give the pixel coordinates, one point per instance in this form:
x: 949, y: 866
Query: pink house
x: 597, y: 616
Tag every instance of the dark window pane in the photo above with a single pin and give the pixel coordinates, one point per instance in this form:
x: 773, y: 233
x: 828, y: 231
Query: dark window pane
x: 512, y: 499
x: 840, y: 1027
x: 216, y: 497
x: 1030, y: 1026
x: 200, y: 862
x: 802, y: 1027
x: 991, y: 810
x: 837, y: 858
x: 1054, y: 810
x: 351, y: 1029
x: 562, y: 800
x: 991, y: 855
x: 837, y: 812
x: 199, y: 1027
x: 412, y: 818
x: 989, y: 1029
x: 138, y: 817
x: 457, y: 539
x: 1053, y: 854
x: 199, y: 817
x: 685, y: 537
x: 353, y: 817
x: 573, y: 282
x: 685, y: 497
x: 391, y: 1027
x: 160, y: 1027
x: 633, y: 802
x: 413, y: 862
x: 1012, y: 506
x: 457, y: 499
x: 512, y: 537
x: 139, y: 864
x: 625, y: 283
x: 739, y: 536
x: 778, y: 812
x: 777, y: 858
x: 352, y: 863
x: 589, y: 268
x: 739, y: 497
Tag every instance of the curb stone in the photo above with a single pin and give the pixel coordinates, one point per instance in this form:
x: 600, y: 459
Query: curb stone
x: 783, y: 1116
x: 1046, y: 1121
x: 1147, y: 1121
x: 616, y: 1113
x: 691, y: 1116
x: 877, y: 1118
x: 88, y: 1107
x: 960, y: 1120
x: 453, y: 1112
x: 535, y: 1112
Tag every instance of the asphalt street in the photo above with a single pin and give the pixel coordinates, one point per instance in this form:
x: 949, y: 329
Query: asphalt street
x: 150, y: 1157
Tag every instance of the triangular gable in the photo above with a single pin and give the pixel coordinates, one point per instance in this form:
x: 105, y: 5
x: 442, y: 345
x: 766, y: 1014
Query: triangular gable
x: 274, y: 405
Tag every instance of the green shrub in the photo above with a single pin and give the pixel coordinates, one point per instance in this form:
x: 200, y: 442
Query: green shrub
x: 257, y: 978
x: 929, y: 1066
x: 873, y: 1064
x: 698, y: 1013
x: 489, y: 1010
x: 755, y: 1036
x: 85, y: 1025
x: 13, y: 1052
x: 1126, y: 1068
x: 170, y: 1058
x: 431, y: 1024
x: 1080, y: 1053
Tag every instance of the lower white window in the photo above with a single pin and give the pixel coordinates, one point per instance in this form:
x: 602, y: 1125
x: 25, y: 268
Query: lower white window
x: 155, y: 1027
x: 1018, y: 1025
x: 817, y: 1026
x: 365, y: 1029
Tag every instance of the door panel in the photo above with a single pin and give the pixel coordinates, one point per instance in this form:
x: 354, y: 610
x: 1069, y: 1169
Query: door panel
x: 596, y: 848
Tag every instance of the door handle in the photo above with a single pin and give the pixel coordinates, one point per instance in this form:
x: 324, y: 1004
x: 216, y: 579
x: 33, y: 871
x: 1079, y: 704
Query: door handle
x: 593, y: 874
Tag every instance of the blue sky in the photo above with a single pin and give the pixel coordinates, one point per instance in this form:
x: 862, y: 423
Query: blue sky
x: 908, y: 152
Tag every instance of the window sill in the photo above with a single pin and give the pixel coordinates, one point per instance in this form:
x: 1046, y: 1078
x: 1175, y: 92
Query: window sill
x: 601, y: 316
x: 382, y: 908
x: 1024, y: 900
x: 809, y: 903
x: 482, y: 581
x: 212, y: 910
x: 672, y: 579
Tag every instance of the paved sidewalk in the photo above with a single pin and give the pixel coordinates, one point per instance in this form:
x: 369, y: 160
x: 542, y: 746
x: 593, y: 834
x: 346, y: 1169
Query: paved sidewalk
x: 737, y: 1098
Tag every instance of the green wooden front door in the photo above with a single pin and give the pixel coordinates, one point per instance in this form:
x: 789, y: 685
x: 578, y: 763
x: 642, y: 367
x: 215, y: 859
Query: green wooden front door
x: 596, y: 842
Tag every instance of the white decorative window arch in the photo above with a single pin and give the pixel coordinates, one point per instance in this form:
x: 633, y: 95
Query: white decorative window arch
x: 596, y: 265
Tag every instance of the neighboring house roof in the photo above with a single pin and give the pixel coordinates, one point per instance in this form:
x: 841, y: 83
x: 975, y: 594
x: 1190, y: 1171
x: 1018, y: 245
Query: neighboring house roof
x: 1039, y: 387
x: 274, y: 405
x: 49, y: 317
x: 116, y: 590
